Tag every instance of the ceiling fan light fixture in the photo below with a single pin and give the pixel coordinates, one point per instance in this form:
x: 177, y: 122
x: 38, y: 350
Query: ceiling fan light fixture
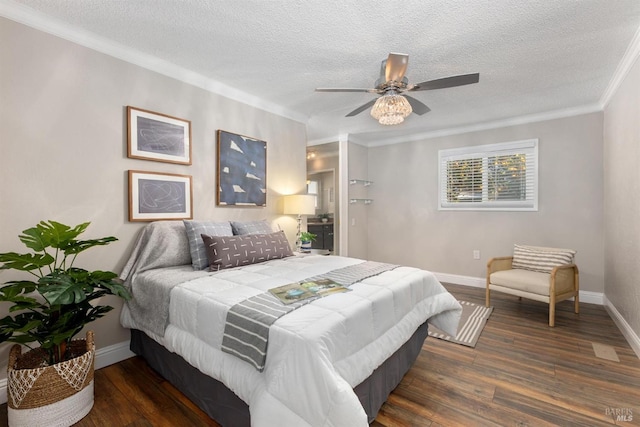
x: 391, y: 109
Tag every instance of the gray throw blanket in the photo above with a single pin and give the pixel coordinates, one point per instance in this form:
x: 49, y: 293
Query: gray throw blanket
x: 160, y: 245
x: 246, y: 331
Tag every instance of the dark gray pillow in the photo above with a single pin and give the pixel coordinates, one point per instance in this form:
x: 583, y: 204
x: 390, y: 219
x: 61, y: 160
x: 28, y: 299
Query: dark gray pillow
x: 236, y: 251
x: 251, y: 227
x: 194, y: 229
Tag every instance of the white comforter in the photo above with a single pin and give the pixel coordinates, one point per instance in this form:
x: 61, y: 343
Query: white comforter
x: 316, y: 354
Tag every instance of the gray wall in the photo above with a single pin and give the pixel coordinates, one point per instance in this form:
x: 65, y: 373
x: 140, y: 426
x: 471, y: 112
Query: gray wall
x: 359, y: 212
x: 406, y: 227
x: 63, y: 138
x: 622, y: 199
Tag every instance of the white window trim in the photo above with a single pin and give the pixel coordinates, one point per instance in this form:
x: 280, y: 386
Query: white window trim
x: 529, y: 146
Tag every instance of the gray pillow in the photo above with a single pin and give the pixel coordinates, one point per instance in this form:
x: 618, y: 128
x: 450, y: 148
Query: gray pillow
x: 194, y: 229
x: 251, y: 227
x: 236, y: 251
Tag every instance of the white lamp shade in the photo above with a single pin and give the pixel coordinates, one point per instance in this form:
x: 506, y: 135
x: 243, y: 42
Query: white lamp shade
x: 299, y: 204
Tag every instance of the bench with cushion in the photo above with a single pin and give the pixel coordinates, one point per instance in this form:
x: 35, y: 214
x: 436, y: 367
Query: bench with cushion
x: 542, y: 274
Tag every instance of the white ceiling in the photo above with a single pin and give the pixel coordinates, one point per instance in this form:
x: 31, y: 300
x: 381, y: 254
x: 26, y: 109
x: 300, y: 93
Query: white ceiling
x: 536, y: 58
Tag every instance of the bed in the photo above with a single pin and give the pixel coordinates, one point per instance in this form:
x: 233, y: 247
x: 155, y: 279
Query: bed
x: 331, y: 362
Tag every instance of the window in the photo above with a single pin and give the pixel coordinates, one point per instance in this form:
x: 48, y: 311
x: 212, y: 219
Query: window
x: 313, y: 188
x: 490, y: 177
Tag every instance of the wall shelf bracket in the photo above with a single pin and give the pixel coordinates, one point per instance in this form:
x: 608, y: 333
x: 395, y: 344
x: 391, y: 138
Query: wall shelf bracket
x: 360, y: 181
x: 365, y: 201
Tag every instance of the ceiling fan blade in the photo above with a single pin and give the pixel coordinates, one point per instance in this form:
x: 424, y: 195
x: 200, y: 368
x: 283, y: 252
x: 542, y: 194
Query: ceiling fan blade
x: 417, y: 106
x: 396, y: 67
x: 362, y: 108
x: 461, y: 80
x: 345, y: 89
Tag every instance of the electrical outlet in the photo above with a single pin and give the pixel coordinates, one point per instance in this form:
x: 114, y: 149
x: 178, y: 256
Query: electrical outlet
x: 476, y: 254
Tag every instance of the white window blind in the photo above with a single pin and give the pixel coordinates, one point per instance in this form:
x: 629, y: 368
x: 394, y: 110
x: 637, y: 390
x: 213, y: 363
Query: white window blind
x: 500, y: 176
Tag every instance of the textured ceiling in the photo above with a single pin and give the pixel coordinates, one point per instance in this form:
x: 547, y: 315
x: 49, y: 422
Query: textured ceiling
x: 534, y: 57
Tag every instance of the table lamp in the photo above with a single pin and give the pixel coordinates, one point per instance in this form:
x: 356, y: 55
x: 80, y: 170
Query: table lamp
x: 299, y: 204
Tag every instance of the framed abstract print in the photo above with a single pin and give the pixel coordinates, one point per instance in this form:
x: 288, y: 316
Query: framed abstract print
x: 242, y: 170
x: 159, y: 196
x: 158, y: 137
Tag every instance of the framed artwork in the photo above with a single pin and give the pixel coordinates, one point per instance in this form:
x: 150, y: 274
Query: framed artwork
x: 155, y: 136
x: 242, y: 170
x: 154, y: 196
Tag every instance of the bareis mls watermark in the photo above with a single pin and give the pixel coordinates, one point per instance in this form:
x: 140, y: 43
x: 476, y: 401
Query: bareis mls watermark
x: 620, y: 414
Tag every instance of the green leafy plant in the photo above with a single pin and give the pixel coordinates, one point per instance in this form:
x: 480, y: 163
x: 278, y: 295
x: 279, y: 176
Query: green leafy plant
x: 305, y: 236
x: 55, y: 306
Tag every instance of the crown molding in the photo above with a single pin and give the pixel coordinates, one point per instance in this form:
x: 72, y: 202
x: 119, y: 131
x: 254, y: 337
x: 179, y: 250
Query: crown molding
x: 513, y: 121
x: 321, y: 141
x: 330, y: 139
x: 628, y: 59
x: 34, y: 19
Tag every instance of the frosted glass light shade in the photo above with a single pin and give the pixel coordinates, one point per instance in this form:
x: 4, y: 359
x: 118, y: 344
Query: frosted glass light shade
x: 299, y: 204
x: 391, y: 109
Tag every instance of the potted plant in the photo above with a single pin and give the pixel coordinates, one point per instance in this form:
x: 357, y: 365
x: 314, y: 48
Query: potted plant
x: 305, y: 241
x: 52, y: 384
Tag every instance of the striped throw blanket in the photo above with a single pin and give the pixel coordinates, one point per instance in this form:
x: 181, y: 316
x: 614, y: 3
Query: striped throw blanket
x: 246, y: 331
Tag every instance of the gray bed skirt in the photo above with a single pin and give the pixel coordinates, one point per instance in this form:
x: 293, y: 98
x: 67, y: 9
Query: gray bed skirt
x: 228, y: 409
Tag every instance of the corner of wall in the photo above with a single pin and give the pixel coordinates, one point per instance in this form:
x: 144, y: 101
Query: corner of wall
x: 626, y: 329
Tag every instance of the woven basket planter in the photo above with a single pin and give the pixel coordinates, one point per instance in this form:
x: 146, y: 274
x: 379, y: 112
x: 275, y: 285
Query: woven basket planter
x: 57, y: 395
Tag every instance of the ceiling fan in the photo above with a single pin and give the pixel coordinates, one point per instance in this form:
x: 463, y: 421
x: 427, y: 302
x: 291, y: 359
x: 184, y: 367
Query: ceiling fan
x: 393, y: 106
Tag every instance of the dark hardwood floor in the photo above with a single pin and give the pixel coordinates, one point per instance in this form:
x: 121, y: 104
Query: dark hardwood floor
x: 521, y: 373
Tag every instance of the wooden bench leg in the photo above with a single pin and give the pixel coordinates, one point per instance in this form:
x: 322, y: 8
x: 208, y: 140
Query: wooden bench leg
x: 488, y: 297
x: 576, y: 280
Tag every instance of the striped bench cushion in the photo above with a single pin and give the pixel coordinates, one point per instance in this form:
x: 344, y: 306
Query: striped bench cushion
x: 540, y: 259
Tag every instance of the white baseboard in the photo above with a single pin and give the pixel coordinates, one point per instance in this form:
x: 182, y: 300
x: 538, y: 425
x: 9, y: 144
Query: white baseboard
x: 588, y: 297
x: 625, y: 328
x: 104, y: 357
x: 476, y: 282
x: 592, y: 297
x: 113, y: 354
